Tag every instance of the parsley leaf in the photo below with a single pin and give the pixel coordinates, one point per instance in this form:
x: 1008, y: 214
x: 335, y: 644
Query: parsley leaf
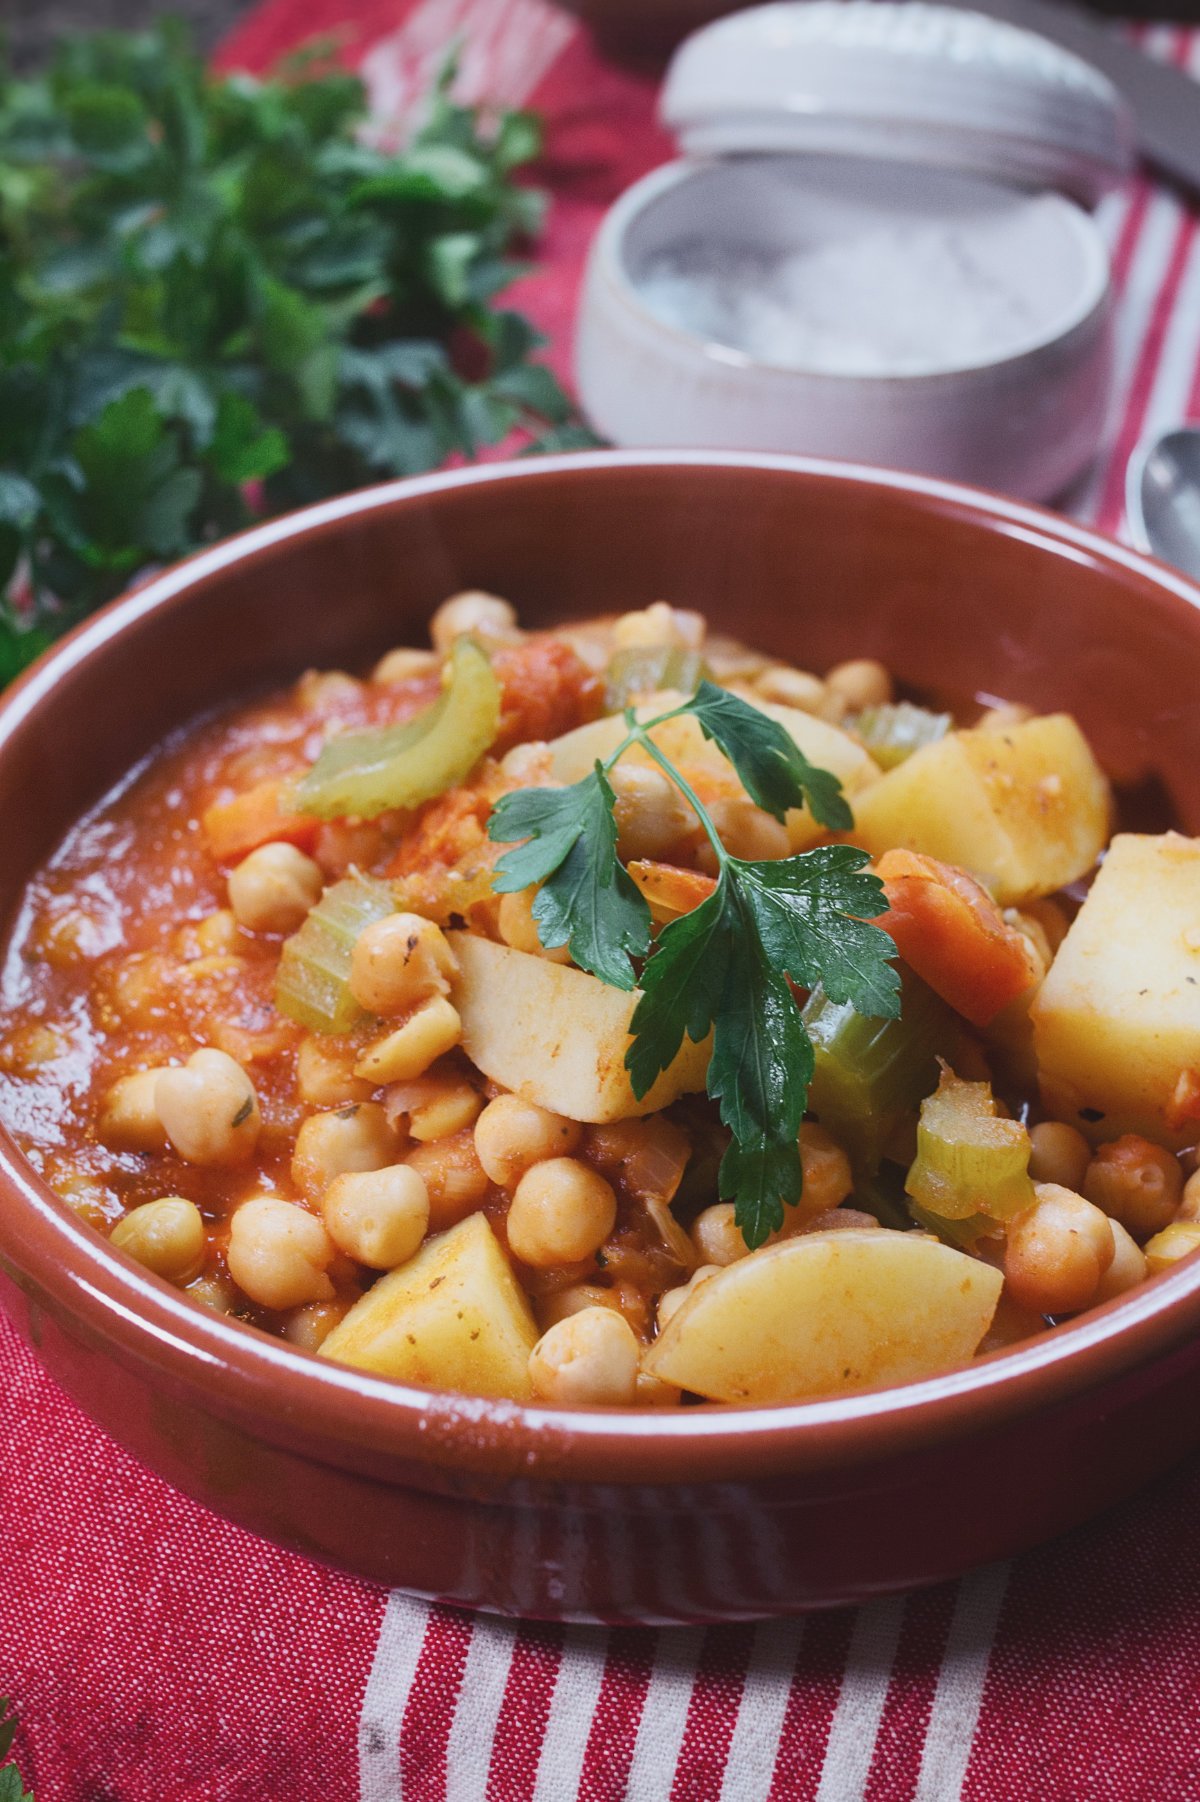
x: 11, y: 1787
x: 218, y: 300
x: 770, y: 764
x: 724, y: 967
x: 587, y: 900
x: 729, y: 965
x: 811, y: 916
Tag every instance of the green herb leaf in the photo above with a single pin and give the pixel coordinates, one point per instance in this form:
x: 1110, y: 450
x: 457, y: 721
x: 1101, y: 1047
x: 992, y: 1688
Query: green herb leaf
x: 771, y: 766
x: 586, y: 900
x: 810, y: 915
x: 11, y: 1787
x: 297, y: 311
x: 727, y: 967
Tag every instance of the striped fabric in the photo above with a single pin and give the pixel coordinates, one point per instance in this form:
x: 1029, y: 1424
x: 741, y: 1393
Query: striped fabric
x: 160, y: 1655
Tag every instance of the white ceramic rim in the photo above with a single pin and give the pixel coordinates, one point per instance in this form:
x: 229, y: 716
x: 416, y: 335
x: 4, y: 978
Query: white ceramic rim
x: 607, y: 260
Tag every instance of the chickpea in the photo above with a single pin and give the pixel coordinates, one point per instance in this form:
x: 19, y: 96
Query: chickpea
x: 862, y: 682
x: 591, y: 1358
x: 511, y: 1135
x: 1057, y: 1251
x: 406, y: 1053
x: 840, y: 1220
x: 671, y: 1300
x: 474, y: 611
x: 529, y: 765
x: 351, y: 1138
x: 128, y: 1118
x: 1128, y: 1267
x: 214, y: 1292
x: 561, y: 1211
x: 560, y: 1304
x: 402, y: 665
x: 518, y: 928
x: 378, y: 1217
x: 654, y: 1392
x: 274, y: 888
x: 279, y: 1254
x: 827, y: 1175
x: 660, y: 624
x: 827, y: 1181
x: 651, y: 814
x: 320, y: 689
x: 747, y: 830
x: 791, y: 688
x: 325, y: 1072
x: 456, y: 1181
x: 309, y: 1327
x: 209, y: 1109
x: 165, y: 1236
x: 1004, y: 716
x: 398, y: 962
x: 216, y: 935
x: 1060, y: 1155
x: 716, y: 1235
x: 1189, y: 1202
x: 1136, y: 1182
x: 1176, y: 1241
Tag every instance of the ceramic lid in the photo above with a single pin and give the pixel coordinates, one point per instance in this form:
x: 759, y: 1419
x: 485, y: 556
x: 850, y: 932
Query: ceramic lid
x: 926, y: 84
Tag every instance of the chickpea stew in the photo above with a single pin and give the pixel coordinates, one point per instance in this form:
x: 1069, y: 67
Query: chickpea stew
x: 288, y: 1018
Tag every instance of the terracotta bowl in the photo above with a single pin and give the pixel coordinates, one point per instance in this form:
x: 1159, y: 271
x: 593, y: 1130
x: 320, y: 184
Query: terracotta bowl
x: 703, y: 1513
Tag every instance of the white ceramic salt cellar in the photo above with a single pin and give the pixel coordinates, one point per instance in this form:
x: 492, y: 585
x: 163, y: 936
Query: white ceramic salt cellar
x: 878, y: 245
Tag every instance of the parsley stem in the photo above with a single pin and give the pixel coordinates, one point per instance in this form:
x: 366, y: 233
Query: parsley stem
x: 640, y: 735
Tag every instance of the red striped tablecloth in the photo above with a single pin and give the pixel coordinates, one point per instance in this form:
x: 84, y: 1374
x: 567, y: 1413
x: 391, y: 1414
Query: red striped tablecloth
x: 159, y: 1655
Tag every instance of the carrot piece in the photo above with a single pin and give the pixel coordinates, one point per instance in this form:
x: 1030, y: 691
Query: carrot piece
x: 668, y: 890
x: 950, y: 931
x: 235, y: 828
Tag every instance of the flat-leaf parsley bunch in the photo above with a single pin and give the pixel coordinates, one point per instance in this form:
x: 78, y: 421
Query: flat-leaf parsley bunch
x: 11, y: 1787
x: 216, y: 300
x: 727, y: 967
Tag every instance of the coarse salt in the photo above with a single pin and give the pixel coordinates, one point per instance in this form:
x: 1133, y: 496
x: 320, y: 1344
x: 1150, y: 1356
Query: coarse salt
x: 915, y: 299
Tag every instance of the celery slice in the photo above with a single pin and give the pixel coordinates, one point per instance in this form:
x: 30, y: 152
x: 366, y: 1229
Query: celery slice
x: 970, y: 1160
x: 365, y: 773
x: 646, y: 668
x: 960, y: 1234
x: 869, y: 1073
x: 893, y: 731
x: 312, y: 985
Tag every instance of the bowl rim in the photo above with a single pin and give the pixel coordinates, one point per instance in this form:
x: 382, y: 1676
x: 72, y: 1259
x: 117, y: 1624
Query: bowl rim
x: 399, y: 1431
x: 1073, y: 321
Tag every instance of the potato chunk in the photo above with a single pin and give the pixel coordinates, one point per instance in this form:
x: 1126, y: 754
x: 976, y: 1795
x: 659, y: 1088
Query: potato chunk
x: 556, y: 1035
x: 1026, y: 810
x: 826, y: 1313
x: 454, y: 1317
x: 1117, y: 1020
x: 575, y: 754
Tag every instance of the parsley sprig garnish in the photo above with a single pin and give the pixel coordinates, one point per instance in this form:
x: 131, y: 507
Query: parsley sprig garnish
x: 219, y: 299
x: 12, y: 1789
x: 726, y: 966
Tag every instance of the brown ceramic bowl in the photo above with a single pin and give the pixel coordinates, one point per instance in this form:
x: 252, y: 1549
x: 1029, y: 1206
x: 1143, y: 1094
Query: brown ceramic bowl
x: 704, y: 1512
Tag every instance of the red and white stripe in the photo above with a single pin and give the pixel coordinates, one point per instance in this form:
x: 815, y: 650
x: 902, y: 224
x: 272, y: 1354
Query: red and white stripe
x: 495, y: 1711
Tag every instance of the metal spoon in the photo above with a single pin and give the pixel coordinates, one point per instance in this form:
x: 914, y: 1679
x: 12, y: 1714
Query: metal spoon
x: 1162, y: 497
